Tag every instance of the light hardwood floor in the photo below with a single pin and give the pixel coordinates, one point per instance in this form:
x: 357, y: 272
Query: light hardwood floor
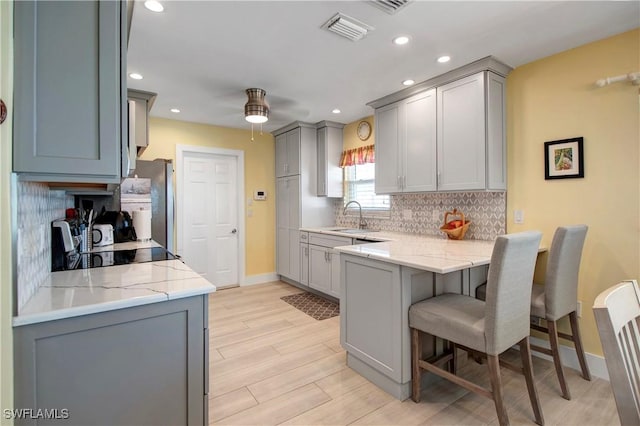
x: 272, y: 364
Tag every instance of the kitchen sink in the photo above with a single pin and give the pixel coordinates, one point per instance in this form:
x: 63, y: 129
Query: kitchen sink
x: 355, y: 231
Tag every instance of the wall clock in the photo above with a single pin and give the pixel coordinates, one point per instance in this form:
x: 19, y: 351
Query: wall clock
x: 364, y: 130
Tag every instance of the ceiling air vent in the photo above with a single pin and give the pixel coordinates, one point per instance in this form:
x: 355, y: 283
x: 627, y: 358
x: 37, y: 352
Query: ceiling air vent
x: 347, y: 27
x: 390, y: 6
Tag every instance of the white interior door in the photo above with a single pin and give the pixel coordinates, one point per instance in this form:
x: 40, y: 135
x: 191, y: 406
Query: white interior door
x: 209, y: 216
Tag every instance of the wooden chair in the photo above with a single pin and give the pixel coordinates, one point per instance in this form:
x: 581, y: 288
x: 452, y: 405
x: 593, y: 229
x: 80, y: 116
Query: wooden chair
x: 617, y: 312
x: 558, y: 297
x: 489, y: 327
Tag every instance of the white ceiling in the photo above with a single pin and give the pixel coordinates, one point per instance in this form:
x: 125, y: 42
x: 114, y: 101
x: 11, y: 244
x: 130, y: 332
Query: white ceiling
x: 200, y: 56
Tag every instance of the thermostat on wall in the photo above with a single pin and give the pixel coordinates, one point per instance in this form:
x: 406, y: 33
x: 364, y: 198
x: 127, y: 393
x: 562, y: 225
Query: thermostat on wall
x: 260, y: 195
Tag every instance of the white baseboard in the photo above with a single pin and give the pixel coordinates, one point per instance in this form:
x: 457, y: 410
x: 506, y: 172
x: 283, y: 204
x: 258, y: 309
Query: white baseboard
x: 596, y: 363
x: 260, y: 279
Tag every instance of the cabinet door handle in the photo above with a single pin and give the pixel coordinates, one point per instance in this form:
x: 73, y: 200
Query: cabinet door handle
x: 438, y: 179
x: 399, y: 182
x: 404, y: 182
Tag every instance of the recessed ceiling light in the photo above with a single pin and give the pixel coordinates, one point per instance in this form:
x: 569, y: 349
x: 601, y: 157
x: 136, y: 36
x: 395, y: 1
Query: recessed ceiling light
x: 175, y: 110
x: 408, y: 82
x: 135, y: 76
x: 443, y: 59
x: 154, y: 5
x: 400, y: 40
x: 336, y: 111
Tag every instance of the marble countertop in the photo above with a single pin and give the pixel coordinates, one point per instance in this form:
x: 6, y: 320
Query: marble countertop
x: 130, y: 245
x: 78, y: 292
x: 365, y: 234
x: 430, y: 254
x: 440, y: 255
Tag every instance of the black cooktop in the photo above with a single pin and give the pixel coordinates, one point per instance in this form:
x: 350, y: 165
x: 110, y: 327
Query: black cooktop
x: 119, y: 257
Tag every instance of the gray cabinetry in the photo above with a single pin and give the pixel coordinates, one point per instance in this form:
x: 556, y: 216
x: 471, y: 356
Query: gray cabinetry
x: 139, y: 104
x: 374, y: 314
x: 288, y: 146
x: 406, y: 145
x: 471, y: 139
x: 329, y: 153
x: 324, y: 262
x: 288, y: 224
x: 145, y: 365
x: 446, y: 134
x: 70, y: 91
x: 304, y: 258
x: 297, y: 205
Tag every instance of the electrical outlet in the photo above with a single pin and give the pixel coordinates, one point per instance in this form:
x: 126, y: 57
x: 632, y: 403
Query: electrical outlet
x: 435, y: 215
x: 579, y: 309
x: 407, y: 214
x: 518, y: 216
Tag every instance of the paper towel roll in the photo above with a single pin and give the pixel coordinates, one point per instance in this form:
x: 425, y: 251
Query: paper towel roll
x: 142, y: 224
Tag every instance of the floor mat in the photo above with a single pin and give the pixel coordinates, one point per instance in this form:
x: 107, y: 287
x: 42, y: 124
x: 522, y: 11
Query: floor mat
x: 312, y: 305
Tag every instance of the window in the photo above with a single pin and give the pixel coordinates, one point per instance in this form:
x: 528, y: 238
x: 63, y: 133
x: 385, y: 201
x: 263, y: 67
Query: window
x: 359, y: 185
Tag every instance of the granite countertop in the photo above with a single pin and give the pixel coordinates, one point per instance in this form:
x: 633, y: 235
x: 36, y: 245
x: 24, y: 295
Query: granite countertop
x: 78, y: 292
x: 440, y: 255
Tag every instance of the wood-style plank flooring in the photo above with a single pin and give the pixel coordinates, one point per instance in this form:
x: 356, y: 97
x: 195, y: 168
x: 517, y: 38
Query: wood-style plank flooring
x: 272, y: 364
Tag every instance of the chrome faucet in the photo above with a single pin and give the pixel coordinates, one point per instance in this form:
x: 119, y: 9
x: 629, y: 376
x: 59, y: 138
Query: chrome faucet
x: 362, y: 224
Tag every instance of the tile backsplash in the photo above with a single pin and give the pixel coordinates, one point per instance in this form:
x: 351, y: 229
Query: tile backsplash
x: 485, y: 210
x: 37, y: 208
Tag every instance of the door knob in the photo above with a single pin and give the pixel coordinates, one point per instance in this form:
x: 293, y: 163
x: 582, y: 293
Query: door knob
x: 234, y: 230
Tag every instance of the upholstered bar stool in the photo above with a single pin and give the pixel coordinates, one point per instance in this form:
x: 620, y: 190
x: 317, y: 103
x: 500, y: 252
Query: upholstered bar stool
x: 489, y: 327
x: 558, y: 297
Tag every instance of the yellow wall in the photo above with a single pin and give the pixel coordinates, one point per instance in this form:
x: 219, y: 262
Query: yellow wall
x: 6, y: 287
x: 350, y: 138
x: 555, y: 98
x: 259, y: 173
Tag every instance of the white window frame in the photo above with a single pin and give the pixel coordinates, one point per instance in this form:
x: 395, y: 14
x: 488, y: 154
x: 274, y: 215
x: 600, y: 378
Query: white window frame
x: 381, y: 207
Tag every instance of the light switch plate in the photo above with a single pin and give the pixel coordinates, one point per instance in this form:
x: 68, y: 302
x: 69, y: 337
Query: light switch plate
x: 518, y: 216
x: 435, y: 215
x: 407, y: 214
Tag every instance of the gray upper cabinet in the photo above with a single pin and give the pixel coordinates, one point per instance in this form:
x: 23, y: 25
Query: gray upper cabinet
x: 446, y: 134
x: 388, y: 120
x: 69, y: 91
x: 140, y: 103
x: 471, y: 142
x: 406, y: 145
x: 329, y: 152
x: 288, y: 153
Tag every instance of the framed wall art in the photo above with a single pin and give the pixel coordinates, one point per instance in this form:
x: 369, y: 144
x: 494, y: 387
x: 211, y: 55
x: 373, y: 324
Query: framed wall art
x: 564, y: 159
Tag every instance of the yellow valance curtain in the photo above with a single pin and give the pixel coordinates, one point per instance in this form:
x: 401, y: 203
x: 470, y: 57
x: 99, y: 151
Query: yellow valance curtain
x: 357, y: 156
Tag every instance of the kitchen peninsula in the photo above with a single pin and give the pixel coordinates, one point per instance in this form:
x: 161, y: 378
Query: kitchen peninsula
x: 380, y: 281
x: 126, y: 344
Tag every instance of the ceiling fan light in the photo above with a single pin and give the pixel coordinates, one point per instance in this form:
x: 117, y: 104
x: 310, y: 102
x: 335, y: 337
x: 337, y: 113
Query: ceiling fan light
x: 256, y: 110
x: 256, y: 119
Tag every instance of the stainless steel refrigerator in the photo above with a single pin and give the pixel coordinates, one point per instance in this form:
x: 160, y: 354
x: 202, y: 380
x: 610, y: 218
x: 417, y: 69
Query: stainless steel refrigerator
x: 160, y: 196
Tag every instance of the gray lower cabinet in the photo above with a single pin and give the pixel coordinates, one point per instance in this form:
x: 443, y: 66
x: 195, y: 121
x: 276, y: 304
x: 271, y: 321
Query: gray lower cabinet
x: 70, y: 110
x: 374, y: 315
x: 145, y: 365
x: 324, y: 262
